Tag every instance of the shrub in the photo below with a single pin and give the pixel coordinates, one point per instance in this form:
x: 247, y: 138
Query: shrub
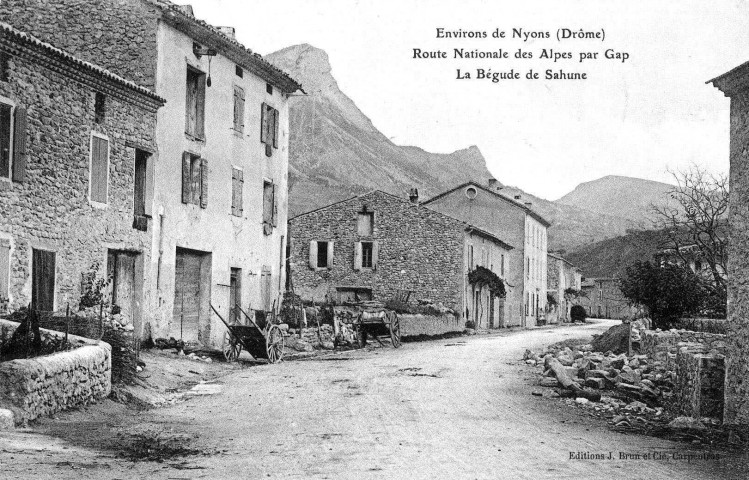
x: 578, y: 313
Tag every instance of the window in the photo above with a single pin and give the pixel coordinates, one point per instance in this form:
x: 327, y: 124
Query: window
x: 99, y: 107
x: 237, y: 186
x: 42, y: 280
x: 527, y: 268
x: 194, y: 180
x: 365, y: 224
x: 269, y: 128
x: 4, y: 274
x: 12, y: 155
x: 269, y: 88
x: 471, y: 193
x: 5, y: 130
x: 320, y: 254
x: 366, y: 254
x: 269, y: 207
x: 4, y: 67
x: 238, y: 109
x: 195, y: 103
x: 99, y: 181
x: 502, y: 265
x: 238, y: 70
x: 141, y: 197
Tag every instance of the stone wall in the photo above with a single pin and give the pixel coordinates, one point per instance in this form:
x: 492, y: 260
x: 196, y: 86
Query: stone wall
x: 419, y: 250
x: 413, y: 325
x: 699, y: 383
x: 50, y: 209
x: 41, y: 386
x: 656, y: 344
x: 119, y: 35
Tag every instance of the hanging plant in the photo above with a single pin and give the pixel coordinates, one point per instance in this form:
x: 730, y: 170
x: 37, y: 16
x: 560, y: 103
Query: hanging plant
x: 483, y: 277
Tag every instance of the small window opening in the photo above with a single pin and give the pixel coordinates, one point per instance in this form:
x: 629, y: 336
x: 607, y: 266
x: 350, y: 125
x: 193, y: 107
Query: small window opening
x: 269, y: 88
x: 238, y: 70
x: 99, y: 107
x: 366, y: 254
x: 322, y: 254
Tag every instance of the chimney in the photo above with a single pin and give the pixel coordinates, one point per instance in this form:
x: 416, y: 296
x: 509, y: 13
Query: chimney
x: 228, y: 31
x: 413, y: 195
x: 186, y: 9
x: 492, y: 182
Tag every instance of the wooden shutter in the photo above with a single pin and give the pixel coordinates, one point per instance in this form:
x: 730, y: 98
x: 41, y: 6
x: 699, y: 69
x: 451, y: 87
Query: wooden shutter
x: 4, y: 269
x: 186, y: 180
x: 275, y: 128
x: 191, y: 102
x: 203, y: 183
x: 99, y: 166
x: 240, y: 194
x: 375, y: 254
x: 238, y: 109
x: 330, y: 254
x: 234, y: 190
x: 274, y: 218
x: 139, y: 190
x: 200, y: 113
x: 357, y: 256
x: 313, y: 254
x: 19, y: 145
x: 43, y: 280
x: 264, y: 123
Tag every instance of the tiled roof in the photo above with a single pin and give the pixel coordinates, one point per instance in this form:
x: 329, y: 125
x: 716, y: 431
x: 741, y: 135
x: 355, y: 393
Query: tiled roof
x: 23, y: 37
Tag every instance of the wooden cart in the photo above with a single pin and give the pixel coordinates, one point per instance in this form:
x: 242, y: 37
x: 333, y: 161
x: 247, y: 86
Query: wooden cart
x: 371, y: 320
x: 266, y: 342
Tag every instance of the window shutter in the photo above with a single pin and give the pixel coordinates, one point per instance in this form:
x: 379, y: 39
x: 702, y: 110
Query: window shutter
x: 240, y: 192
x: 234, y: 190
x: 19, y: 145
x: 150, y: 165
x: 263, y: 124
x: 357, y: 256
x: 330, y: 254
x: 375, y: 254
x: 203, y: 183
x: 275, y: 128
x: 200, y: 114
x: 186, y: 180
x: 4, y: 269
x: 275, y: 207
x: 313, y: 254
x: 241, y: 109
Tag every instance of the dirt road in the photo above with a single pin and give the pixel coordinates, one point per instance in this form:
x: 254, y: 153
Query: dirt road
x: 458, y: 408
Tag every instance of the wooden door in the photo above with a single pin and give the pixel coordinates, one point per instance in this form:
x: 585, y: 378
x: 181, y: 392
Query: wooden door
x: 43, y: 280
x: 235, y: 295
x: 187, y: 295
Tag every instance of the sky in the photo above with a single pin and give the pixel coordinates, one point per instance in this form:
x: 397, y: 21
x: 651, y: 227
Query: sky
x: 642, y: 118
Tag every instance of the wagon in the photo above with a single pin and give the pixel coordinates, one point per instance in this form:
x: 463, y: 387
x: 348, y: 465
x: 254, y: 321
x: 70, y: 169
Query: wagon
x: 370, y: 319
x: 266, y: 341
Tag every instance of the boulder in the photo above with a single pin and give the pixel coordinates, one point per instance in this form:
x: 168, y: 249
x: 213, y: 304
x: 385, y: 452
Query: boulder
x: 548, y: 382
x: 598, y: 383
x: 686, y: 423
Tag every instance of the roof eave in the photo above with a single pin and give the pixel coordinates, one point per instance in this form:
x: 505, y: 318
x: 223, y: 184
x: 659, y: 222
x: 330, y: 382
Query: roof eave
x: 734, y: 81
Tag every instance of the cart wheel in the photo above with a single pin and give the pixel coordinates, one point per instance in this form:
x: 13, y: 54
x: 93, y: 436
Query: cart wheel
x: 361, y: 336
x: 232, y: 348
x: 274, y: 344
x: 395, y: 331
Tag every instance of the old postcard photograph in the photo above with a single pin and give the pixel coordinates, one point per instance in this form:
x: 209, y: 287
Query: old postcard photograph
x: 354, y: 239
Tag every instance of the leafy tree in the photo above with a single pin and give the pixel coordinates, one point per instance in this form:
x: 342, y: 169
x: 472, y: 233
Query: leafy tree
x: 668, y: 292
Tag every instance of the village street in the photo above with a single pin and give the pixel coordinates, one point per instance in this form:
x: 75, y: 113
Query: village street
x: 459, y: 408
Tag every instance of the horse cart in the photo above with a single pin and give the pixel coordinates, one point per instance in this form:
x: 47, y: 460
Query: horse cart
x: 260, y: 337
x: 371, y: 320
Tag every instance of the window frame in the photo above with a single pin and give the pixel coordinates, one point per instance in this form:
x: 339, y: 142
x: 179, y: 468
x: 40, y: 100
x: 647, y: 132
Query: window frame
x: 322, y: 246
x: 100, y: 136
x: 200, y: 100
x: 11, y: 138
x: 370, y: 219
x: 370, y: 249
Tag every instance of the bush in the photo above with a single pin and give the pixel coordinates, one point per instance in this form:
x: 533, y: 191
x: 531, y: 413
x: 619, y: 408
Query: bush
x: 668, y: 292
x: 578, y: 313
x: 470, y: 324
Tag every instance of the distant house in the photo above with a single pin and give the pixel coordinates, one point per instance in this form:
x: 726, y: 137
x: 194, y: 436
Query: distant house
x: 516, y: 223
x: 692, y: 257
x: 75, y: 141
x: 376, y: 246
x: 561, y: 276
x: 603, y: 299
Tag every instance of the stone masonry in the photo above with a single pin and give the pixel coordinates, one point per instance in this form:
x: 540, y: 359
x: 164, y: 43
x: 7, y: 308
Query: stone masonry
x: 419, y: 250
x: 50, y: 208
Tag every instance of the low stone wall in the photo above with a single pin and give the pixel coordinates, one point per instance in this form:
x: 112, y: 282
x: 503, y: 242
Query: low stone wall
x: 708, y: 325
x: 413, y: 325
x: 41, y: 386
x: 657, y: 344
x: 699, y: 385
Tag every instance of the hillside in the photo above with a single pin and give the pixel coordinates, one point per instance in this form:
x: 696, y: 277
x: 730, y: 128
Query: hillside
x: 617, y: 196
x: 336, y: 151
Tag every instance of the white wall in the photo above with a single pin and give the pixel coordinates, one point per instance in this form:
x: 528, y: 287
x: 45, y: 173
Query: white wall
x: 535, y: 281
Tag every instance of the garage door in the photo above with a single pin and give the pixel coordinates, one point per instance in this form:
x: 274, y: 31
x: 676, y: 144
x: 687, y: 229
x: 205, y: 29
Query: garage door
x: 187, y: 296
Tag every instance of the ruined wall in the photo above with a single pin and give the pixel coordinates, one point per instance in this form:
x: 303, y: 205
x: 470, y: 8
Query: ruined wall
x: 655, y: 343
x: 737, y: 366
x: 699, y: 386
x: 51, y: 208
x: 419, y: 250
x: 41, y: 386
x: 119, y: 35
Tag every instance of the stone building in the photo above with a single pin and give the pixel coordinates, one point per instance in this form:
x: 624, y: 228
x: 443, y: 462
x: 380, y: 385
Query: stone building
x: 76, y: 142
x: 218, y: 217
x: 517, y: 224
x: 561, y: 275
x: 603, y: 299
x: 375, y: 246
x: 735, y: 84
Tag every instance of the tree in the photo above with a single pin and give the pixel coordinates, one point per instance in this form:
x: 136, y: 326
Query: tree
x: 695, y: 228
x: 668, y: 292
